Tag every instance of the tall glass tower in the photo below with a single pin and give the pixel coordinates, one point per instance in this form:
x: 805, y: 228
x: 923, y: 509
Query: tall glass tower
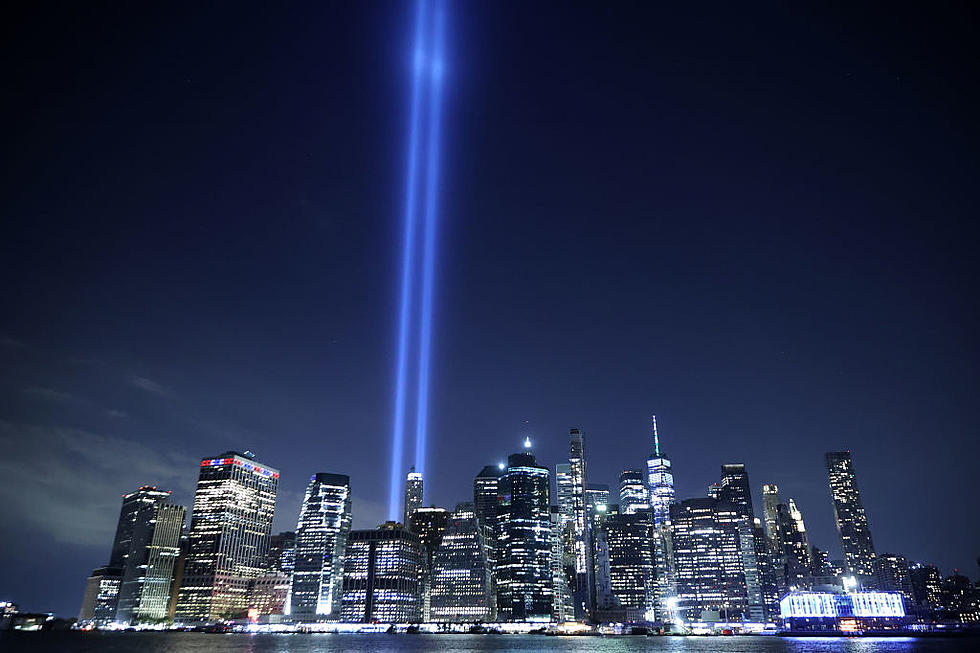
x: 770, y: 499
x: 735, y: 488
x: 321, y: 541
x: 229, y: 536
x: 661, y: 480
x: 524, y: 584
x: 413, y: 494
x: 852, y: 521
x: 634, y: 495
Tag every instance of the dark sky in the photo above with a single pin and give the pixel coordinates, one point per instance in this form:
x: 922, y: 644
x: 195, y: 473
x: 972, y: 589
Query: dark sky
x: 758, y: 222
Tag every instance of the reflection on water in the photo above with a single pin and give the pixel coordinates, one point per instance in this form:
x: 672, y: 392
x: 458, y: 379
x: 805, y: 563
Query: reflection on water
x: 330, y: 643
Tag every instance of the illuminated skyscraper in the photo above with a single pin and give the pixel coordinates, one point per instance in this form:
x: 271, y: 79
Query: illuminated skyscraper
x: 381, y: 576
x: 485, y: 490
x: 770, y: 499
x: 793, y: 548
x: 630, y: 541
x: 852, y: 522
x: 708, y: 559
x: 461, y: 588
x: 321, y: 540
x: 564, y: 604
x: 229, y: 536
x: 634, y: 494
x: 429, y: 524
x: 661, y: 481
x: 524, y: 586
x: 154, y: 527
x: 735, y: 488
x: 927, y: 586
x: 765, y: 562
x: 581, y: 538
x: 413, y: 494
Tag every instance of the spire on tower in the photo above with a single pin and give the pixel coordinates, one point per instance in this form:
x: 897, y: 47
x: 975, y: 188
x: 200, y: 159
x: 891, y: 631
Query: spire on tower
x: 656, y: 438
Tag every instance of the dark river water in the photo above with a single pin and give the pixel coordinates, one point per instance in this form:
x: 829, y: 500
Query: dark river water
x: 75, y: 642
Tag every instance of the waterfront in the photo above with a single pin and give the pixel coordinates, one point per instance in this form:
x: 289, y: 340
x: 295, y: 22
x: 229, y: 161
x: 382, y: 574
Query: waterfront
x: 78, y: 642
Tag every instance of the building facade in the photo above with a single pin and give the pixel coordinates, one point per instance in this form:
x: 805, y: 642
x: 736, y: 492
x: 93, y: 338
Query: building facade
x: 524, y: 586
x: 634, y: 494
x: 381, y: 576
x: 852, y: 521
x: 145, y: 592
x: 229, y: 536
x: 413, y: 494
x: 321, y: 541
x: 461, y: 588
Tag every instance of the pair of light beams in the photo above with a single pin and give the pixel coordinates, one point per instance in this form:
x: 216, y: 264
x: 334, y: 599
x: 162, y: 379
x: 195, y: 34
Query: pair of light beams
x: 421, y: 201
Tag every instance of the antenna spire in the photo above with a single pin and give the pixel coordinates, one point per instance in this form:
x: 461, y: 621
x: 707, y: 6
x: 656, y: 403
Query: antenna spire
x: 656, y: 437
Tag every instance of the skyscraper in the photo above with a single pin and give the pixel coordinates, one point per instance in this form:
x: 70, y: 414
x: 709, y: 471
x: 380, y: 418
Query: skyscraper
x: 735, y: 488
x: 927, y: 586
x: 524, y: 587
x: 413, y: 494
x: 321, y: 540
x: 485, y: 490
x: 101, y: 598
x: 630, y: 541
x: 661, y: 481
x: 634, y: 494
x: 564, y: 604
x: 461, y: 588
x: 770, y: 499
x: 154, y: 528
x: 852, y: 522
x: 892, y: 575
x: 709, y: 559
x: 429, y: 524
x: 708, y: 562
x: 381, y: 576
x: 581, y: 537
x: 229, y: 536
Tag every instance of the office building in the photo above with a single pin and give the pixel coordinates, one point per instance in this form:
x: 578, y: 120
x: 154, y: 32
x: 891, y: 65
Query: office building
x: 154, y: 527
x: 282, y: 553
x: 524, y: 585
x: 321, y: 541
x: 634, y: 494
x: 792, y: 549
x: 413, y: 494
x: 632, y: 572
x: 892, y: 574
x: 927, y: 586
x: 381, y: 576
x: 229, y: 536
x: 660, y: 478
x: 461, y: 588
x: 770, y: 499
x: 429, y: 524
x: 269, y: 594
x: 735, y: 489
x: 852, y: 521
x: 583, y: 586
x: 708, y: 568
x: 101, y: 598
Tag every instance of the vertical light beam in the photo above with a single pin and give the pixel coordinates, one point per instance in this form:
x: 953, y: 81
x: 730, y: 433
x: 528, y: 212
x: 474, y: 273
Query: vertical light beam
x: 408, y: 263
x: 431, y: 219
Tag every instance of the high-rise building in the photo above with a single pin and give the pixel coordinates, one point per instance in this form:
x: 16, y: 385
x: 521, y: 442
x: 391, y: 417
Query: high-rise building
x: 381, y: 576
x: 563, y: 608
x: 282, y: 553
x: 767, y: 571
x: 852, y: 521
x: 269, y: 594
x: 461, y: 590
x: 524, y: 586
x: 793, y: 549
x: 927, y: 586
x: 708, y: 560
x: 770, y: 499
x: 413, y: 494
x: 321, y: 540
x: 583, y: 587
x: 634, y: 493
x: 596, y: 494
x: 154, y: 527
x: 632, y: 573
x: 429, y: 524
x: 661, y: 480
x: 892, y: 574
x: 101, y: 596
x: 229, y: 536
x: 735, y: 488
x: 485, y: 500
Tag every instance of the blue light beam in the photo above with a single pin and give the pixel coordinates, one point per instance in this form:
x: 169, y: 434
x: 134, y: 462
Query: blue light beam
x: 431, y: 220
x: 408, y: 264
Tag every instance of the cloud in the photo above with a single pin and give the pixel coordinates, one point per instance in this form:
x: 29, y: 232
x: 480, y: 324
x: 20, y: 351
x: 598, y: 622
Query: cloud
x: 66, y: 482
x: 149, y: 385
x: 119, y: 414
x: 12, y: 343
x: 56, y: 396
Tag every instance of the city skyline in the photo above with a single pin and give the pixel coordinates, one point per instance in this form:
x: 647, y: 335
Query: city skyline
x: 759, y: 228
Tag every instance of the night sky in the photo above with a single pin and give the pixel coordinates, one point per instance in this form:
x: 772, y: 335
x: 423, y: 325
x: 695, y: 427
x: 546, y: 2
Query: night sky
x: 758, y: 222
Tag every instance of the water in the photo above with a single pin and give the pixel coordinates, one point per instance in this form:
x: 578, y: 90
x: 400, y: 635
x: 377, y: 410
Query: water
x: 75, y: 642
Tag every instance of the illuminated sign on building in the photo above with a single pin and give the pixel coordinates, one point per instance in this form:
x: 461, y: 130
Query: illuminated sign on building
x: 827, y: 605
x: 218, y: 462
